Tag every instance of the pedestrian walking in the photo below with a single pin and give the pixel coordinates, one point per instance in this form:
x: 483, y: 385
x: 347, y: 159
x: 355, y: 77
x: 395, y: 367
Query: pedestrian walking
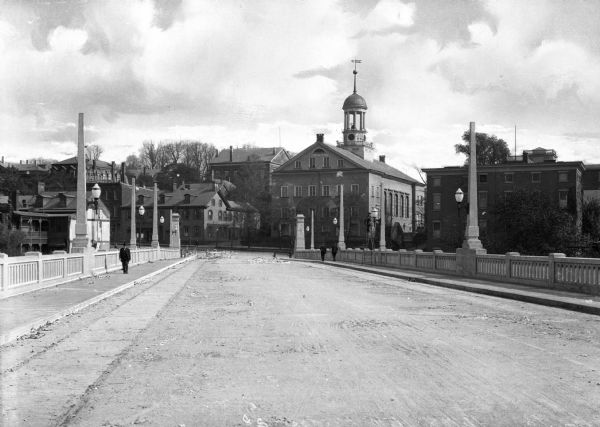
x: 334, y: 251
x: 323, y: 249
x: 125, y: 257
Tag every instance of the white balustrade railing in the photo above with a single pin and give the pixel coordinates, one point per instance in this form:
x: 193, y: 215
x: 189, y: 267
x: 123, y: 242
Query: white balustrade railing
x: 554, y: 271
x: 34, y: 270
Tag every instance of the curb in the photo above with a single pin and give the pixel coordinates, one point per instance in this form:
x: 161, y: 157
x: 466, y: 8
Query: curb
x: 532, y: 297
x: 24, y: 330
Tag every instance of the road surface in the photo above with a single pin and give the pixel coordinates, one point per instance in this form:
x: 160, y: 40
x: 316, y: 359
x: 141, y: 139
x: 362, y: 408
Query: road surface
x: 248, y: 340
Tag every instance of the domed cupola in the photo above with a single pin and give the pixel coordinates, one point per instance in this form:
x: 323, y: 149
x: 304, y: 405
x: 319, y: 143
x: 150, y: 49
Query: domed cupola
x: 355, y: 132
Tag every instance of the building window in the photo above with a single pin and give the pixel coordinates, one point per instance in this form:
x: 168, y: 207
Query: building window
x: 220, y: 203
x: 312, y: 163
x: 563, y: 177
x: 284, y: 191
x: 483, y: 178
x: 437, y: 201
x: 401, y: 205
x: 325, y: 162
x: 395, y: 205
x: 482, y: 199
x: 325, y: 212
x: 340, y: 163
x: 285, y: 213
x: 562, y: 198
x: 407, y: 204
x: 210, y: 214
x: 297, y: 191
x: 325, y: 191
x: 436, y: 181
x: 437, y: 229
x: 197, y: 213
x: 220, y: 215
x: 354, y: 211
x: 354, y: 189
x: 312, y: 190
x: 507, y: 194
x: 372, y: 191
x: 338, y: 189
x: 298, y: 164
x: 536, y: 177
x: 186, y: 230
x: 508, y: 178
x: 196, y: 230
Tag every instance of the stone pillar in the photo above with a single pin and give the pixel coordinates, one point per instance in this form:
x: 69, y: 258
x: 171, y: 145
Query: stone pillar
x: 300, y: 245
x: 174, y: 241
x: 341, y: 239
x: 132, y: 239
x: 155, y: 218
x: 81, y: 240
x: 312, y: 229
x: 382, y: 218
x: 472, y: 232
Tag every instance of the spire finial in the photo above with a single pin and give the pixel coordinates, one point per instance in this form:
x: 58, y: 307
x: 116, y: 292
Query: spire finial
x: 356, y: 61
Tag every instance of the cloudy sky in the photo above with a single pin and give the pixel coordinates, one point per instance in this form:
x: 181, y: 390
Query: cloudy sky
x: 275, y: 72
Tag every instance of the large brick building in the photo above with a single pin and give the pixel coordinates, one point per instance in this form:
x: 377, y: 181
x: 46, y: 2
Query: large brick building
x: 536, y: 170
x: 311, y: 181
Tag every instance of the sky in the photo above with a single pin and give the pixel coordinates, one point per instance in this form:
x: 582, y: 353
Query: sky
x: 275, y: 73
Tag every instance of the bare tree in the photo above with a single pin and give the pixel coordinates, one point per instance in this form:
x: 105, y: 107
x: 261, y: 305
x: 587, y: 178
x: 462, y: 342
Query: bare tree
x: 94, y: 151
x: 149, y: 154
x: 198, y: 155
x: 174, y: 151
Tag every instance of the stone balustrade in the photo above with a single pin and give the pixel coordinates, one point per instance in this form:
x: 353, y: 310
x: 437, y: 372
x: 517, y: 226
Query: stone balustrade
x: 554, y: 271
x: 34, y: 270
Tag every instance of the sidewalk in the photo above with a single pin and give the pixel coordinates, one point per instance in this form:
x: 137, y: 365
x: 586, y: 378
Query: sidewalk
x: 21, y: 313
x: 550, y: 297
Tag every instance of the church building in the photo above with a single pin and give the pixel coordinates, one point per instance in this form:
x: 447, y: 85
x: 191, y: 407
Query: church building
x: 312, y: 181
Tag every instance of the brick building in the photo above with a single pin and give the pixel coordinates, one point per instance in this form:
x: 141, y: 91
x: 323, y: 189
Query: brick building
x: 536, y: 170
x: 311, y: 181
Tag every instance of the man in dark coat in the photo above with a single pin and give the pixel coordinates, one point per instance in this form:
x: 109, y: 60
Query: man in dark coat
x: 323, y: 249
x: 125, y: 257
x: 334, y: 250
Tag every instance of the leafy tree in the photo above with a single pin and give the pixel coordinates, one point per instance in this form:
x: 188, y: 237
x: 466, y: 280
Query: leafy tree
x: 10, y: 240
x: 490, y: 149
x: 529, y: 222
x: 10, y: 180
x: 132, y: 161
x: 591, y: 218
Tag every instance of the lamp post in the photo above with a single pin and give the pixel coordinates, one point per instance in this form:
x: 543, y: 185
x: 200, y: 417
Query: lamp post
x: 162, y: 221
x: 459, y: 196
x: 141, y: 211
x: 307, y: 230
x: 96, y: 191
x: 335, y: 231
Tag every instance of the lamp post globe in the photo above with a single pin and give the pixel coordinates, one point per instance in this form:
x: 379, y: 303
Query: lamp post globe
x: 335, y: 221
x: 162, y: 219
x: 96, y: 191
x: 459, y: 195
x: 141, y: 210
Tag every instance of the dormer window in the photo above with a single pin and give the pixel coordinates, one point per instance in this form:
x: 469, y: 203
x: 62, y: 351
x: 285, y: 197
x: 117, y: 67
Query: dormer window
x: 161, y: 199
x: 186, y: 198
x: 141, y: 199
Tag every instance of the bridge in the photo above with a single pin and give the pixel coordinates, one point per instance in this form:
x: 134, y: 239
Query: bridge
x: 250, y: 339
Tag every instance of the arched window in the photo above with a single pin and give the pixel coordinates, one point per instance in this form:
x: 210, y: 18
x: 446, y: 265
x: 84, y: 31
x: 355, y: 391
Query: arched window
x: 210, y: 214
x: 220, y: 215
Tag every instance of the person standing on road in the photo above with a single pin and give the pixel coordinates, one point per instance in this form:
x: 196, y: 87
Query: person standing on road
x: 323, y: 249
x: 334, y: 250
x: 125, y: 257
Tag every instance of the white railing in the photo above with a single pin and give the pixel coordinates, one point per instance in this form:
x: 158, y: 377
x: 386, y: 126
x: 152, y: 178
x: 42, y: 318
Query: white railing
x: 35, y: 270
x: 553, y: 271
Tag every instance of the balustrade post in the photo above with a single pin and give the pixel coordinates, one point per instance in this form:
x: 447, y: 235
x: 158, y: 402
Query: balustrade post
x: 509, y: 259
x: 435, y: 257
x: 552, y: 266
x: 417, y: 252
x: 38, y: 255
x: 3, y: 271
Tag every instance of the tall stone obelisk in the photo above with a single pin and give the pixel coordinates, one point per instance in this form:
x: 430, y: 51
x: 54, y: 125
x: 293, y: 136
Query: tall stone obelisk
x: 382, y: 220
x: 341, y: 238
x: 472, y: 232
x: 155, y: 217
x: 81, y: 241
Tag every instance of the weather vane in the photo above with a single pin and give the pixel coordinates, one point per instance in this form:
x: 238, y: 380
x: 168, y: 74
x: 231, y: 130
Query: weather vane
x: 356, y: 61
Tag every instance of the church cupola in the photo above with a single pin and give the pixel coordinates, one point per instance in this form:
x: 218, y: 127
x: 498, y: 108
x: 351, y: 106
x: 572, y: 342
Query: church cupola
x: 355, y: 132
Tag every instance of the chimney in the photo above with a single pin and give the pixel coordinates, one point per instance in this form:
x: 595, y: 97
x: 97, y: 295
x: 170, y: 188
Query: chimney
x: 20, y: 162
x: 231, y: 153
x: 26, y: 162
x: 320, y: 137
x: 94, y: 164
x: 2, y: 159
x: 41, y: 187
x: 174, y: 186
x: 122, y: 171
x: 382, y: 158
x: 35, y: 162
x: 273, y: 150
x: 112, y: 171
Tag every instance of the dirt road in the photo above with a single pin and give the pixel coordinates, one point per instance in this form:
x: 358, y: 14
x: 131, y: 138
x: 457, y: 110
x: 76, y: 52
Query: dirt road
x: 249, y: 340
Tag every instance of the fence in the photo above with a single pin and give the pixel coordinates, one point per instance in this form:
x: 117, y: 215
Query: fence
x: 555, y: 271
x: 34, y: 270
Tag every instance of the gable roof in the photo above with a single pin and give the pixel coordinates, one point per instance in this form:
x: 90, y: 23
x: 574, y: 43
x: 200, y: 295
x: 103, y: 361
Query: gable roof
x: 253, y: 154
x: 374, y: 166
